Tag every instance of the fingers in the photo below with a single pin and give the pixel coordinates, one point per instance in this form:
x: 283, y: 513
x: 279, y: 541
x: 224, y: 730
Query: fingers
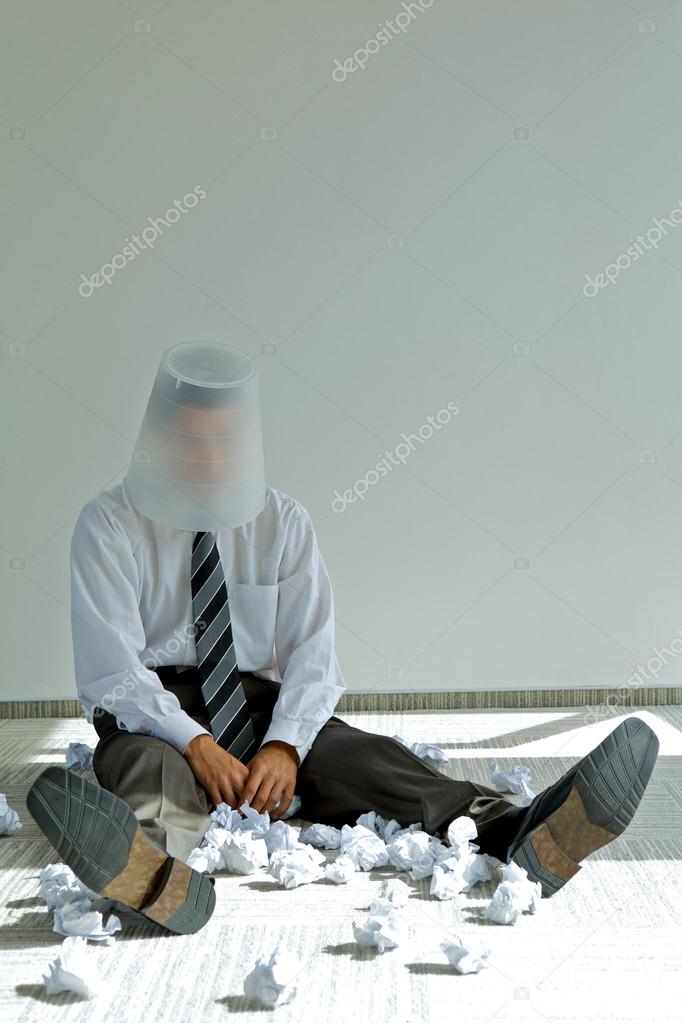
x: 280, y: 803
x: 220, y: 791
x: 222, y: 776
x: 284, y: 802
x: 239, y: 784
x: 274, y: 798
x: 260, y: 788
x: 229, y: 788
x: 261, y: 801
x: 228, y: 794
x: 251, y: 787
x: 214, y: 794
x: 235, y: 781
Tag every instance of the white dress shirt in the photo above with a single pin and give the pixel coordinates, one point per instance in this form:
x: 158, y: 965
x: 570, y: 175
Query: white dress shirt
x: 131, y: 610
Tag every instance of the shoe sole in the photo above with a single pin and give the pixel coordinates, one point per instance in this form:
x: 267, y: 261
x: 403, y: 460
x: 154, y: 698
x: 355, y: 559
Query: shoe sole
x: 99, y: 837
x: 608, y: 786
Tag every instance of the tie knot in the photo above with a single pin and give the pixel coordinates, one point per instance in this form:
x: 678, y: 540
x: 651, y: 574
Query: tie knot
x: 198, y: 537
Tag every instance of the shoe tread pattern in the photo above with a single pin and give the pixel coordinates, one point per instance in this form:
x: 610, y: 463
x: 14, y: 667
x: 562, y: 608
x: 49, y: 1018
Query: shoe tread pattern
x: 610, y: 782
x: 90, y: 827
x: 612, y: 778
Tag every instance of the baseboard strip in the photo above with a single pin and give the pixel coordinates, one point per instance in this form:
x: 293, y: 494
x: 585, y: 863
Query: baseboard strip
x: 517, y: 699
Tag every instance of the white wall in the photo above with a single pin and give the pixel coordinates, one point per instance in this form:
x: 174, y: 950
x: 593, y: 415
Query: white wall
x: 415, y: 234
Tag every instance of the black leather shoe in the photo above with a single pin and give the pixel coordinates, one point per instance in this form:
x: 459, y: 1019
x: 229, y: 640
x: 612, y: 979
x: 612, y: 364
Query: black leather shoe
x: 586, y: 808
x: 98, y: 836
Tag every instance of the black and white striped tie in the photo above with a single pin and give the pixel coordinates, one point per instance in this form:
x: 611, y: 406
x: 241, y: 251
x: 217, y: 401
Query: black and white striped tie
x: 221, y: 686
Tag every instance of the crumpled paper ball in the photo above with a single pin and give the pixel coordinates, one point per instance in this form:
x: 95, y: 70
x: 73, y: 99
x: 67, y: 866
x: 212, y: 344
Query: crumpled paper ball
x: 57, y: 884
x: 293, y: 867
x: 392, y: 889
x: 79, y: 754
x: 463, y: 867
x: 383, y: 927
x: 383, y: 828
x: 205, y: 858
x: 77, y: 909
x: 416, y: 852
x: 364, y: 847
x: 466, y: 957
x: 242, y: 852
x: 516, y: 780
x: 462, y: 832
x: 9, y: 818
x: 225, y: 817
x: 447, y: 880
x: 281, y: 836
x: 340, y: 870
x: 254, y: 821
x: 321, y: 836
x: 433, y: 755
x: 516, y: 894
x: 271, y: 981
x: 77, y: 918
x: 73, y: 970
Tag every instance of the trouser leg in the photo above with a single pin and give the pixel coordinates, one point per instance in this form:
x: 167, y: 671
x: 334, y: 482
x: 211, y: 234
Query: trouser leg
x: 349, y: 771
x: 158, y: 785
x: 155, y: 779
x: 346, y: 772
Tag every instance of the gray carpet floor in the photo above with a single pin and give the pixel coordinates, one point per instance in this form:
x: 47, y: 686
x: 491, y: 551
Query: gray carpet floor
x: 607, y: 947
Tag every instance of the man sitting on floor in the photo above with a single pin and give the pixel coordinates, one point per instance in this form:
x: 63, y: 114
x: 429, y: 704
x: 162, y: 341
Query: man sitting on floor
x: 190, y: 713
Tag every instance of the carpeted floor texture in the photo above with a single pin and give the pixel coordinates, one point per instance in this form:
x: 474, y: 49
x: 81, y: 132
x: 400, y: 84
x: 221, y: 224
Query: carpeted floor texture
x: 607, y: 947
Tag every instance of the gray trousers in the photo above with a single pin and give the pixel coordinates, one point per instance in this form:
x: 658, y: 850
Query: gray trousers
x: 346, y: 772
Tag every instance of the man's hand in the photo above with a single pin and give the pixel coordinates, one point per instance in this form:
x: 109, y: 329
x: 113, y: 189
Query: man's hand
x: 221, y: 774
x: 272, y: 778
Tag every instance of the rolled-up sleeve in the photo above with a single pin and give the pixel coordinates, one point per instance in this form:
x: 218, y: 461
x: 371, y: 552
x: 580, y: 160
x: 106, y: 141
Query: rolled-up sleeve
x: 312, y: 682
x: 108, y: 635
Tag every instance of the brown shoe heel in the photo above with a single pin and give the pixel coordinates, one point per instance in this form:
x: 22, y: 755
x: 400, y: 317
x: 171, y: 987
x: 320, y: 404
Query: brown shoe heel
x: 98, y: 836
x: 605, y: 792
x: 572, y: 830
x: 163, y: 888
x: 171, y: 893
x: 184, y: 901
x: 139, y: 879
x: 544, y: 861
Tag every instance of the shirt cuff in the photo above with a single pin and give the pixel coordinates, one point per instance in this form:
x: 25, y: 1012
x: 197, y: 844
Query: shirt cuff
x: 178, y: 729
x: 300, y: 736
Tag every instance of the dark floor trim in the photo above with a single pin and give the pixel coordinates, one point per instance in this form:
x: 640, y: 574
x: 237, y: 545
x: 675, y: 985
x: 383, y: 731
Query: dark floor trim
x: 517, y: 699
x: 523, y: 699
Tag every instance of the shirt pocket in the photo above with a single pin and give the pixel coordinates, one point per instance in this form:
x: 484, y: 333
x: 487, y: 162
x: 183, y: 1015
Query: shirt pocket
x: 253, y: 612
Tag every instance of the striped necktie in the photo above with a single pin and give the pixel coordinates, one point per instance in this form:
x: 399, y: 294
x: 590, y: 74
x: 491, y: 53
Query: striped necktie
x: 221, y: 686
